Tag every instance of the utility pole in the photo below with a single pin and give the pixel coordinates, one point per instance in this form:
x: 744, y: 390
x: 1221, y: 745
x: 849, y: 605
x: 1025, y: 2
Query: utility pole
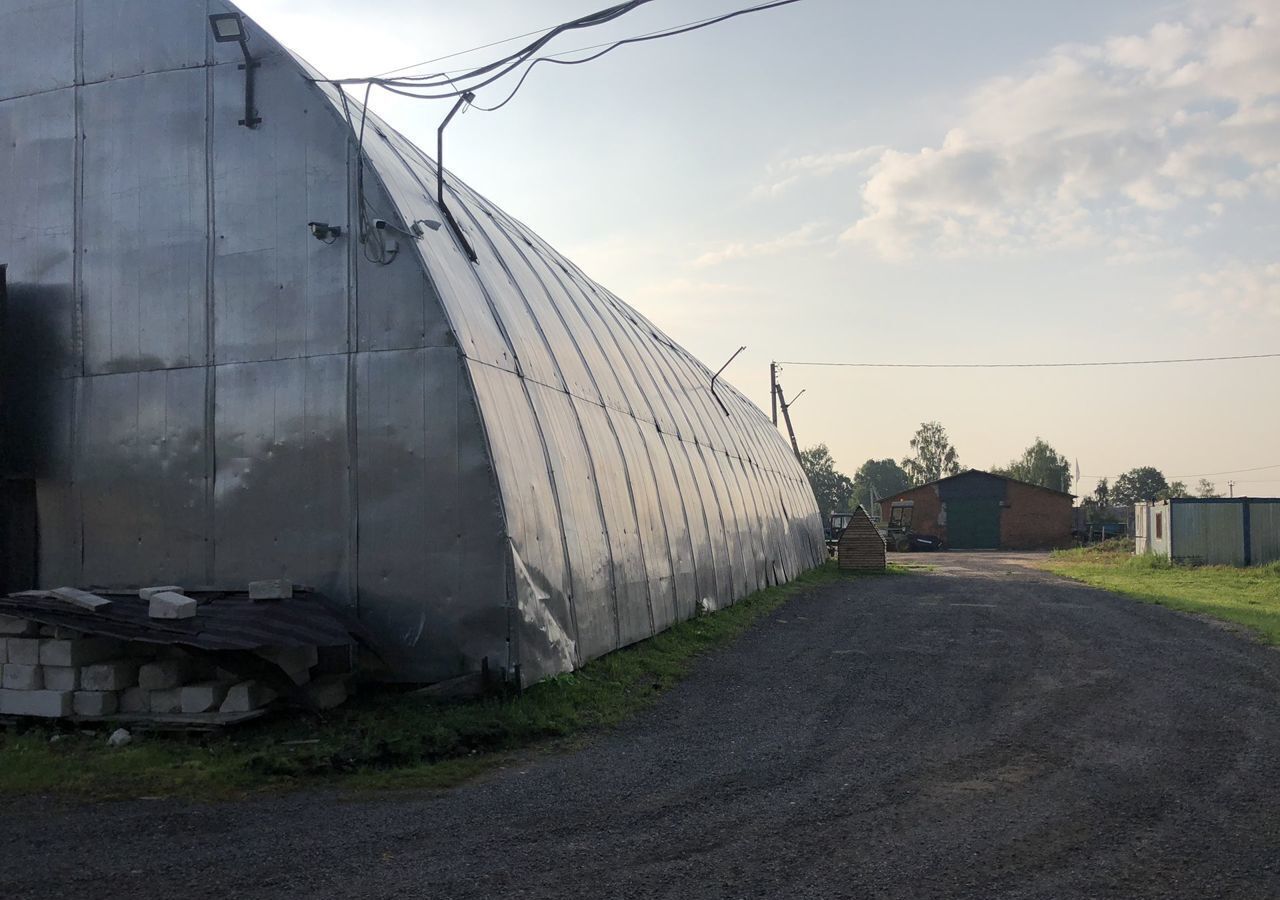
x: 786, y: 415
x: 1231, y: 488
x: 773, y: 390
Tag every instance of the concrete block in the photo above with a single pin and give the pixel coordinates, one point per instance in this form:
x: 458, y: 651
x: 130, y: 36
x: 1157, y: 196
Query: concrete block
x: 147, y: 593
x: 24, y: 651
x: 95, y: 703
x: 49, y: 704
x: 61, y: 678
x: 163, y: 674
x: 109, y: 676
x: 166, y: 701
x: 4, y: 650
x: 78, y: 652
x: 271, y: 589
x: 57, y: 631
x: 247, y: 696
x: 327, y: 692
x: 170, y: 605
x: 11, y: 625
x: 203, y: 697
x: 295, y: 661
x: 80, y: 599
x: 18, y: 677
x: 135, y: 700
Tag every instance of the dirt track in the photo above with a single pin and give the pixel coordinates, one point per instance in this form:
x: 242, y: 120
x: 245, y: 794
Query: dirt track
x: 980, y: 731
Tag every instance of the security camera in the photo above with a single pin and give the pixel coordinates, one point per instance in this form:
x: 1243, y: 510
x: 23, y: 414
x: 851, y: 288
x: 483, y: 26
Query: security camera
x: 323, y: 231
x: 380, y: 224
x: 419, y: 228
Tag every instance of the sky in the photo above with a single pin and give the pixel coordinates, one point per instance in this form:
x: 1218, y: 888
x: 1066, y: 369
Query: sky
x: 902, y: 182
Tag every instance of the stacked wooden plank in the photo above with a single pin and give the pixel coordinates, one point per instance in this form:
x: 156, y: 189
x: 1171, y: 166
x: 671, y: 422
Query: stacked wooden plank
x: 861, y: 546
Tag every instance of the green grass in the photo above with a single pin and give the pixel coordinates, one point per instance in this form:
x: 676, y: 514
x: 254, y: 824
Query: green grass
x: 381, y: 738
x: 1245, y: 596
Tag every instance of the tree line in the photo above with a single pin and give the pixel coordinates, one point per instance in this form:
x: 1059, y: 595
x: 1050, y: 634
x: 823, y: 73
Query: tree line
x: 932, y: 456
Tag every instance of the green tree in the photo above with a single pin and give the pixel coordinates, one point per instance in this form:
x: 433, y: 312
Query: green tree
x: 1039, y: 464
x: 1207, y: 489
x: 933, y: 458
x: 1136, y: 485
x: 831, y: 488
x: 882, y: 477
x: 1102, y: 492
x: 1175, y: 489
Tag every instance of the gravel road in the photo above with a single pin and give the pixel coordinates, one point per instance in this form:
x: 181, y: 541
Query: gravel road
x: 982, y: 730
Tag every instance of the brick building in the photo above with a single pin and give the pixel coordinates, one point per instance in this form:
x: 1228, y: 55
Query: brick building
x: 978, y: 510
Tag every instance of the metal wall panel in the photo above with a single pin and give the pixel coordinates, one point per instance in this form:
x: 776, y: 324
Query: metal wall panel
x: 281, y: 492
x: 37, y: 232
x: 37, y: 46
x: 144, y: 223
x: 278, y: 292
x: 1209, y: 533
x: 131, y: 37
x: 435, y: 606
x: 140, y: 468
x: 1264, y: 531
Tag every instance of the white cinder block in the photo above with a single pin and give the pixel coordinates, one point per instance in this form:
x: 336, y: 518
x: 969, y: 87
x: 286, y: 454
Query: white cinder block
x: 147, y: 593
x: 135, y: 700
x: 95, y: 703
x: 170, y: 605
x: 247, y: 696
x: 50, y: 704
x: 23, y: 650
x: 163, y: 674
x: 271, y: 589
x: 109, y: 676
x: 11, y: 625
x: 61, y: 678
x: 203, y: 697
x: 166, y: 701
x: 18, y: 677
x: 78, y: 651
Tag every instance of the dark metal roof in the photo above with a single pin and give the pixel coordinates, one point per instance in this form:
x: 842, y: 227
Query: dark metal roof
x: 967, y: 473
x: 223, y: 621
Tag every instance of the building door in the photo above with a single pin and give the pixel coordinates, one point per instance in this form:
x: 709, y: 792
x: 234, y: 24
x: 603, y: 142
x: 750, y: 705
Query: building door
x: 973, y: 523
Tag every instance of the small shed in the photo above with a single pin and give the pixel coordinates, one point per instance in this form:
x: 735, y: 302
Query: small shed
x: 1214, y: 531
x: 980, y: 511
x: 861, y: 547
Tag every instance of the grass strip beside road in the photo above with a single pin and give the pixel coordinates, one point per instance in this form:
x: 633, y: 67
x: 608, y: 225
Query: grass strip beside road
x: 1246, y: 596
x: 381, y: 738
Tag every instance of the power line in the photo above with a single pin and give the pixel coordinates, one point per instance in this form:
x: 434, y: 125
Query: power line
x: 1206, y: 474
x: 443, y: 85
x: 1052, y: 365
x: 427, y: 62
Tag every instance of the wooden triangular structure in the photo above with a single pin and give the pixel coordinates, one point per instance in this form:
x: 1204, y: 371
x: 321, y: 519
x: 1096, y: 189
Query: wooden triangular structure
x: 861, y: 546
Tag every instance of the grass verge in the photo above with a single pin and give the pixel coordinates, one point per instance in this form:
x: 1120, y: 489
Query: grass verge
x: 1246, y: 596
x: 381, y: 738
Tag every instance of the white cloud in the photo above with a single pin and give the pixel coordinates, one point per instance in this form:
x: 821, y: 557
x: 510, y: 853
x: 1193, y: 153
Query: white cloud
x: 785, y: 173
x: 804, y: 236
x: 1093, y: 142
x: 1235, y: 291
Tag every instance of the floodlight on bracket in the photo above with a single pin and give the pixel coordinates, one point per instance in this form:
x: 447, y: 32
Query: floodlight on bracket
x: 229, y: 28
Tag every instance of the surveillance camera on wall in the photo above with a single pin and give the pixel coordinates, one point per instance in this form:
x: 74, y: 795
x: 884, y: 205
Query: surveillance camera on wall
x: 323, y: 231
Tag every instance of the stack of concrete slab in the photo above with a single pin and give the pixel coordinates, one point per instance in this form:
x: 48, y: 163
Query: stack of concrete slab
x: 53, y: 673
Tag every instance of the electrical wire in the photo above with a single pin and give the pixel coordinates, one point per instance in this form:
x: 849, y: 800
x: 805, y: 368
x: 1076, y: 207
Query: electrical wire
x: 427, y: 62
x: 1051, y: 365
x: 443, y: 85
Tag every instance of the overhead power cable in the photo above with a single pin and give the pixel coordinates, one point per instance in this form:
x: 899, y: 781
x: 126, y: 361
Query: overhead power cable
x: 1048, y: 365
x: 445, y: 85
x: 1205, y: 474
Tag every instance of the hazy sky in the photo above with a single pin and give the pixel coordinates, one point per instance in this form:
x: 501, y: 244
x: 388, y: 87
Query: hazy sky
x: 903, y: 182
